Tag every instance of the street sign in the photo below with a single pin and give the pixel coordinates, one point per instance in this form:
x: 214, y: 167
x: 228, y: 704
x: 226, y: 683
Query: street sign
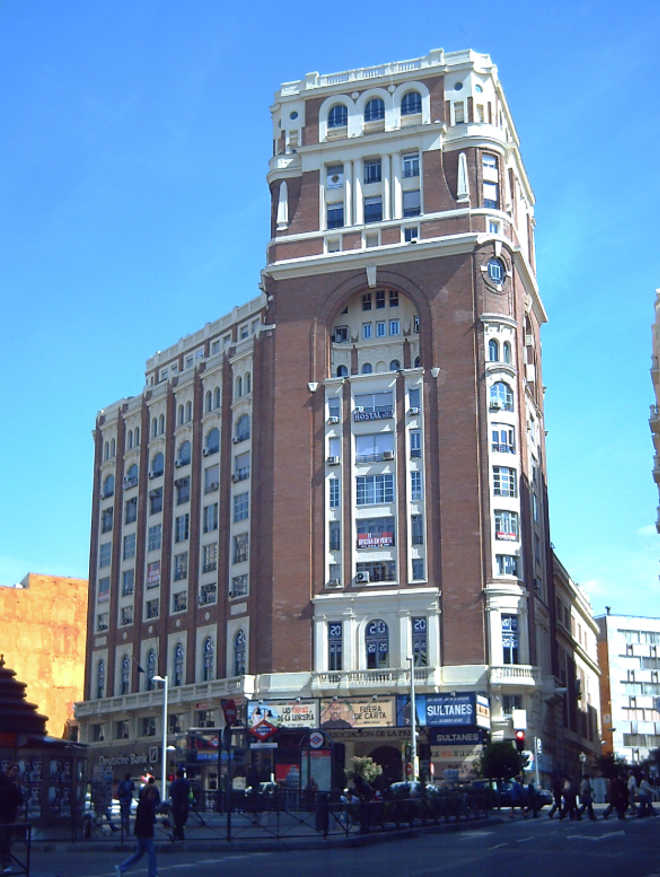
x: 263, y: 730
x: 230, y: 711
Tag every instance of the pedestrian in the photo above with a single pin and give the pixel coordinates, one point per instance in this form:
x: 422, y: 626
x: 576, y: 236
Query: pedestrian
x: 11, y: 798
x: 144, y: 833
x: 645, y: 797
x: 180, y: 802
x: 556, y: 794
x: 586, y: 797
x: 517, y: 798
x: 125, y: 792
x: 632, y: 790
x: 569, y: 792
x: 617, y: 797
x: 532, y: 799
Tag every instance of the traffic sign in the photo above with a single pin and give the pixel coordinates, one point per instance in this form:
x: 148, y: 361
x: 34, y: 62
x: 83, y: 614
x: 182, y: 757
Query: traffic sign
x: 230, y: 711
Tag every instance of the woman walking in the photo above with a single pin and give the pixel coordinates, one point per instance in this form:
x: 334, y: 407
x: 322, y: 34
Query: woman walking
x: 144, y: 833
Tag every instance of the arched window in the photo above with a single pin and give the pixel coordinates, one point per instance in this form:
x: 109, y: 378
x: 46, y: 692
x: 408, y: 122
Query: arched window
x: 129, y: 439
x: 109, y: 486
x: 507, y: 351
x: 207, y: 671
x: 243, y: 428
x: 377, y: 643
x: 100, y: 679
x: 418, y: 361
x: 132, y: 473
x: 179, y: 418
x: 493, y: 350
x: 154, y: 427
x: 239, y: 387
x: 178, y: 665
x: 113, y: 450
x: 151, y: 669
x: 501, y: 396
x: 137, y: 436
x: 374, y: 110
x: 367, y: 368
x: 208, y: 403
x: 395, y: 365
x: 158, y: 464
x: 161, y: 424
x: 125, y: 675
x: 338, y: 116
x: 248, y: 383
x: 411, y: 103
x: 184, y: 453
x: 213, y: 441
x: 239, y: 653
x: 106, y: 451
x: 342, y: 371
x: 216, y: 403
x: 188, y: 412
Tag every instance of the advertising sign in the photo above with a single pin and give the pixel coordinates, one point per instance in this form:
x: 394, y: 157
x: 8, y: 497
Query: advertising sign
x: 370, y: 540
x: 457, y: 710
x: 404, y: 710
x: 358, y: 712
x: 459, y: 737
x: 283, y: 713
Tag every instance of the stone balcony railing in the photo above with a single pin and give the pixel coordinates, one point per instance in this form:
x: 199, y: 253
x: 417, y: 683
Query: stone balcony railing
x: 392, y: 680
x: 515, y: 674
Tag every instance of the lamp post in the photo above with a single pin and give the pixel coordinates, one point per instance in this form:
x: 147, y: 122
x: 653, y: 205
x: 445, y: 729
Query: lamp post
x: 413, y: 719
x: 163, y: 679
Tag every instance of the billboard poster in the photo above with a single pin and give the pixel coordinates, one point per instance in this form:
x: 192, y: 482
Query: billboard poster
x: 283, y: 713
x: 357, y: 712
x: 457, y: 710
x: 404, y: 711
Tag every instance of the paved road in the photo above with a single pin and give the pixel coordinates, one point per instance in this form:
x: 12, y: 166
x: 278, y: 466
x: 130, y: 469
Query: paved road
x: 522, y: 848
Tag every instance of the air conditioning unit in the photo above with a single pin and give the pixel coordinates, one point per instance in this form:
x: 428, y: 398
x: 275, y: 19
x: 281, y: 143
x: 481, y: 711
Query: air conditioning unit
x: 333, y: 419
x: 413, y: 410
x: 126, y: 481
x: 236, y: 439
x: 235, y: 477
x: 362, y: 577
x: 388, y: 455
x: 214, y: 485
x: 333, y: 461
x: 495, y: 405
x: 152, y: 475
x: 178, y: 463
x: 205, y: 452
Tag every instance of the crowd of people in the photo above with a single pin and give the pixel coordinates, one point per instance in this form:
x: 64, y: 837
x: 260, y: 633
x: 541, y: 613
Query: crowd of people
x: 572, y: 800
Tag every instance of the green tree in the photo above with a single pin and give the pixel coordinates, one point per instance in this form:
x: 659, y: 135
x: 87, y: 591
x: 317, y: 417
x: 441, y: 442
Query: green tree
x: 500, y: 761
x: 364, y: 766
x: 609, y: 765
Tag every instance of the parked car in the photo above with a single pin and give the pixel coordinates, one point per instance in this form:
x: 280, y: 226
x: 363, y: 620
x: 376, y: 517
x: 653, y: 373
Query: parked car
x: 543, y: 796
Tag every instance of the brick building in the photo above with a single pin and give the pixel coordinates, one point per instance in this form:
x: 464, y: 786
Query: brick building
x: 347, y: 472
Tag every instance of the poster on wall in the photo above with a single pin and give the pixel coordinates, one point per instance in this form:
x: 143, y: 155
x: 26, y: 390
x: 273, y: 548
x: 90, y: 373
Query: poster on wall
x: 404, y: 710
x: 357, y: 712
x: 283, y: 714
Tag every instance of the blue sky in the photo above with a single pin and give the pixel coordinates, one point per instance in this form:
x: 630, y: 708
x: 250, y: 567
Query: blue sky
x: 134, y: 141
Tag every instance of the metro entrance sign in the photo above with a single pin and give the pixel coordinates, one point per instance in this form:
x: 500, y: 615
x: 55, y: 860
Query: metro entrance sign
x: 230, y: 711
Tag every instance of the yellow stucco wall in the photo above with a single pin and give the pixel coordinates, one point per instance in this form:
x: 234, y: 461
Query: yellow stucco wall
x: 43, y: 632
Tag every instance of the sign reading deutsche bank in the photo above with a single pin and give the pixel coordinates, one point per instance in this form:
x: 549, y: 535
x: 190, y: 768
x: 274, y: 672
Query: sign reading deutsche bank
x: 467, y: 710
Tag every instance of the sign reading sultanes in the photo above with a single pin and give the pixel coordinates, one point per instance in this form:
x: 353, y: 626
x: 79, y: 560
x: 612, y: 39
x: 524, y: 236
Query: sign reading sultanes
x: 451, y: 710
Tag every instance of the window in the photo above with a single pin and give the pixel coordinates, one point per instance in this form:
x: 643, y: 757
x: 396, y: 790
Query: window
x: 374, y: 489
x: 243, y: 428
x: 208, y: 594
x: 106, y: 520
x: 148, y: 726
x: 338, y: 116
x: 108, y: 487
x: 340, y: 334
x: 242, y: 466
x: 394, y: 298
x: 381, y: 329
x: 419, y: 641
x: 417, y: 528
x: 131, y: 478
x: 210, y: 557
x: 154, y: 539
x: 418, y: 569
x: 239, y: 653
x: 241, y: 507
x: 210, y: 517
x: 335, y: 492
x: 380, y: 299
x: 366, y: 301
x: 130, y: 510
x: 395, y: 365
x: 213, y: 441
x: 395, y: 327
x: 184, y: 454
x: 411, y: 234
x: 180, y: 601
x: 411, y: 165
x: 126, y: 618
x: 208, y: 660
x: 180, y: 566
x: 507, y: 351
x: 239, y: 586
x: 412, y: 203
x: 374, y: 447
x: 504, y: 481
x: 157, y: 465
x: 334, y: 536
x: 208, y: 401
x: 335, y: 216
x: 510, y: 642
x: 501, y: 396
x: 414, y: 397
x: 127, y: 582
x: 506, y: 526
x: 491, y: 182
x: 366, y: 331
x: 240, y: 548
x: 335, y: 646
x: 373, y: 406
x: 367, y: 368
x: 103, y: 590
x: 374, y: 110
x: 122, y: 730
x: 216, y: 398
x: 181, y: 528
x: 415, y: 443
x: 415, y: 486
x: 502, y: 439
x: 153, y: 574
x: 179, y: 676
x: 156, y: 501
x: 151, y: 668
x: 100, y: 678
x: 411, y: 103
x: 507, y: 564
x: 334, y: 406
x: 493, y: 350
x: 375, y: 532
x: 496, y: 270
x: 129, y: 546
x: 372, y: 171
x: 98, y: 733
x: 373, y: 209
x: 335, y: 574
x: 211, y: 478
x: 511, y: 702
x: 377, y: 643
x: 182, y: 490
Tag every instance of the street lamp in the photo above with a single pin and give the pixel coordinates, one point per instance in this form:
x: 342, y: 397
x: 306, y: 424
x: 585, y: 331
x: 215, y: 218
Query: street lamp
x: 413, y: 719
x: 163, y: 679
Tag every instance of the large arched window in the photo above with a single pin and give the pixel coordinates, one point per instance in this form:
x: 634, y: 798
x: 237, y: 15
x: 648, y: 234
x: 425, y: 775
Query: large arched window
x: 501, y: 396
x: 243, y: 428
x: 239, y: 653
x: 213, y: 441
x: 132, y: 475
x: 411, y: 103
x: 207, y: 670
x: 100, y: 679
x: 125, y: 675
x: 338, y: 116
x: 151, y: 669
x: 157, y: 465
x: 184, y: 453
x: 377, y: 643
x: 493, y: 350
x: 178, y: 675
x: 374, y: 110
x: 109, y: 486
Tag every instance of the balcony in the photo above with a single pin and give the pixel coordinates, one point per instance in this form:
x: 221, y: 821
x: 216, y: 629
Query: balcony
x: 391, y: 680
x: 654, y: 419
x: 656, y: 469
x: 521, y: 675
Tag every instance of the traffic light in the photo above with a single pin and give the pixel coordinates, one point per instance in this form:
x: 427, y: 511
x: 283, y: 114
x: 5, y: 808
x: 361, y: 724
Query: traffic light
x: 520, y: 740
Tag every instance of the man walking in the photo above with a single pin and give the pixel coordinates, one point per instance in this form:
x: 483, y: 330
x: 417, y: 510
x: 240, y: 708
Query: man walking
x: 144, y: 833
x: 180, y: 798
